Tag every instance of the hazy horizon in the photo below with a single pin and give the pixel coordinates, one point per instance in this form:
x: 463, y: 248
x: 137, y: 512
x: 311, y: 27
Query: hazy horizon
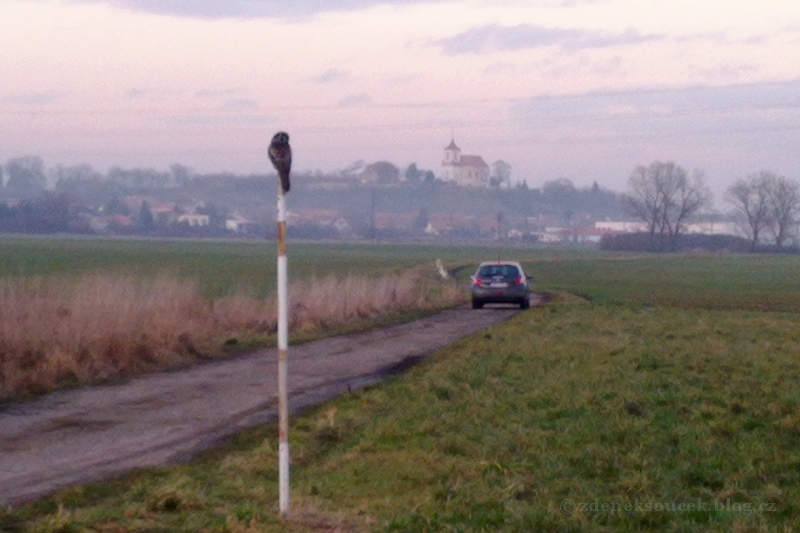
x: 579, y: 89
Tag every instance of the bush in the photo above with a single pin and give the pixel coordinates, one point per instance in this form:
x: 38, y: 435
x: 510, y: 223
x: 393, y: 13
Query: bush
x: 640, y: 242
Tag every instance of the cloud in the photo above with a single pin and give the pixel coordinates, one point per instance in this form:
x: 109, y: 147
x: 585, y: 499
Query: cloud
x: 581, y: 63
x: 239, y: 104
x: 500, y: 68
x: 220, y: 120
x: 402, y: 79
x: 727, y: 72
x: 720, y: 115
x: 30, y: 98
x: 134, y: 94
x: 332, y: 75
x: 209, y: 93
x: 573, y: 3
x: 355, y: 100
x: 217, y: 9
x: 497, y: 38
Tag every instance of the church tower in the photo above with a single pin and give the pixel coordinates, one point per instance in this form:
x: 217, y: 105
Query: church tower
x: 452, y: 154
x: 451, y: 162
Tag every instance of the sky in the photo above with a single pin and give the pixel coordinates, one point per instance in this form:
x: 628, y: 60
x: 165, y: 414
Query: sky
x: 578, y: 89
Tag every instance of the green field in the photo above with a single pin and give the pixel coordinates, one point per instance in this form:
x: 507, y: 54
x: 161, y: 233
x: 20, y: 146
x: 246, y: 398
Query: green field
x: 751, y: 282
x: 654, y: 393
x: 222, y: 266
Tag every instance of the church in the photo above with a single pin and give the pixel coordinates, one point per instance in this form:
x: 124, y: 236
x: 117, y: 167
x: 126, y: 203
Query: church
x: 465, y: 170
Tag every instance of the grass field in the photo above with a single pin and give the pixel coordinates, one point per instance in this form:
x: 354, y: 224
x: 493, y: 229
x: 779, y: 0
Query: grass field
x: 751, y: 282
x: 220, y: 268
x: 666, y: 397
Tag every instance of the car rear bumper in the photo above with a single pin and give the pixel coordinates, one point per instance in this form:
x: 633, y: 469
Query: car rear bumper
x: 507, y: 295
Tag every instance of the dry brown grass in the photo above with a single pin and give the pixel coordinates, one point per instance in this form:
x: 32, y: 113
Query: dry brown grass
x: 57, y: 332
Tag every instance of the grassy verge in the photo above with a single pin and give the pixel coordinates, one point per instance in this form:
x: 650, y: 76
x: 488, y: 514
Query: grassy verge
x: 573, y: 417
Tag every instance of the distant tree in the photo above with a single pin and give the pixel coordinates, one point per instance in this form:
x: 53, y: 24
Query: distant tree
x: 421, y: 221
x: 181, y: 175
x: 750, y: 198
x: 50, y: 212
x: 216, y: 214
x: 499, y: 228
x: 2, y: 181
x: 690, y: 195
x: 146, y: 219
x: 560, y: 192
x: 784, y: 201
x: 430, y: 177
x: 26, y: 175
x: 502, y: 173
x: 663, y: 197
x: 386, y: 171
x: 75, y: 173
x: 116, y: 207
x: 413, y: 174
x: 140, y: 179
x: 46, y: 213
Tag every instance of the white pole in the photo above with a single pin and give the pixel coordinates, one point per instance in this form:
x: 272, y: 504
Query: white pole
x: 283, y: 347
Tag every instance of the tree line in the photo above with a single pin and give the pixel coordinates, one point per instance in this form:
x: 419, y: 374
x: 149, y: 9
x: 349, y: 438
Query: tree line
x: 766, y: 202
x: 664, y: 196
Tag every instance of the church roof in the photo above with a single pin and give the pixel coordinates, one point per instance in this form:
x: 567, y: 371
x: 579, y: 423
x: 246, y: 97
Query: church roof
x: 473, y: 161
x: 452, y: 146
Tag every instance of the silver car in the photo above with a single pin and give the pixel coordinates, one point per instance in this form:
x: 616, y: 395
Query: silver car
x: 500, y: 282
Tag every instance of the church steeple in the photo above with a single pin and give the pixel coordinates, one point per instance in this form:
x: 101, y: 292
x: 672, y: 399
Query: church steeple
x: 452, y: 153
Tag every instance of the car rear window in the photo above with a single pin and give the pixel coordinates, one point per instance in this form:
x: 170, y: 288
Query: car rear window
x: 504, y: 271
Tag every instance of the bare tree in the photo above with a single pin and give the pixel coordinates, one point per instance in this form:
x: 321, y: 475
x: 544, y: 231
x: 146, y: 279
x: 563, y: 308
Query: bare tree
x: 644, y: 200
x: 664, y: 197
x: 783, y: 196
x: 750, y: 198
x: 688, y: 196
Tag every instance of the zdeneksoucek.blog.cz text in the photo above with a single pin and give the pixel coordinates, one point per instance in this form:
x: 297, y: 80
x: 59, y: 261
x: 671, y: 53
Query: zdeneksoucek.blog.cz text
x: 727, y: 505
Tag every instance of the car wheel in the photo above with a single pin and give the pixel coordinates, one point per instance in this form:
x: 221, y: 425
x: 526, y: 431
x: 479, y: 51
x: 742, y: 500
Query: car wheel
x: 476, y: 304
x: 525, y: 303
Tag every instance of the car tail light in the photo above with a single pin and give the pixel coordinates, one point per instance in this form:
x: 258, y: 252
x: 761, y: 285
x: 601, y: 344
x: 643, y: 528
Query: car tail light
x: 518, y: 281
x: 477, y: 282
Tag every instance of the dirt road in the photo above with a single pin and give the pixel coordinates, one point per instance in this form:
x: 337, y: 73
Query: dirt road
x: 83, y: 435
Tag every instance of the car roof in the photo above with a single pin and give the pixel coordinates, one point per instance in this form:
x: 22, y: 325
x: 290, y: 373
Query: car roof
x: 500, y: 263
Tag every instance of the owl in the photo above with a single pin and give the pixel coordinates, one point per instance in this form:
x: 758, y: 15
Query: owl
x: 280, y: 153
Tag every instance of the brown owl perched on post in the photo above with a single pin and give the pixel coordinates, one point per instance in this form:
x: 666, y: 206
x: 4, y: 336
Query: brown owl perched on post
x: 280, y: 153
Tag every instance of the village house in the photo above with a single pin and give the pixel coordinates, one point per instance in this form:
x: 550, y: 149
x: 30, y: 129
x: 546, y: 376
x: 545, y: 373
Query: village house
x: 193, y: 219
